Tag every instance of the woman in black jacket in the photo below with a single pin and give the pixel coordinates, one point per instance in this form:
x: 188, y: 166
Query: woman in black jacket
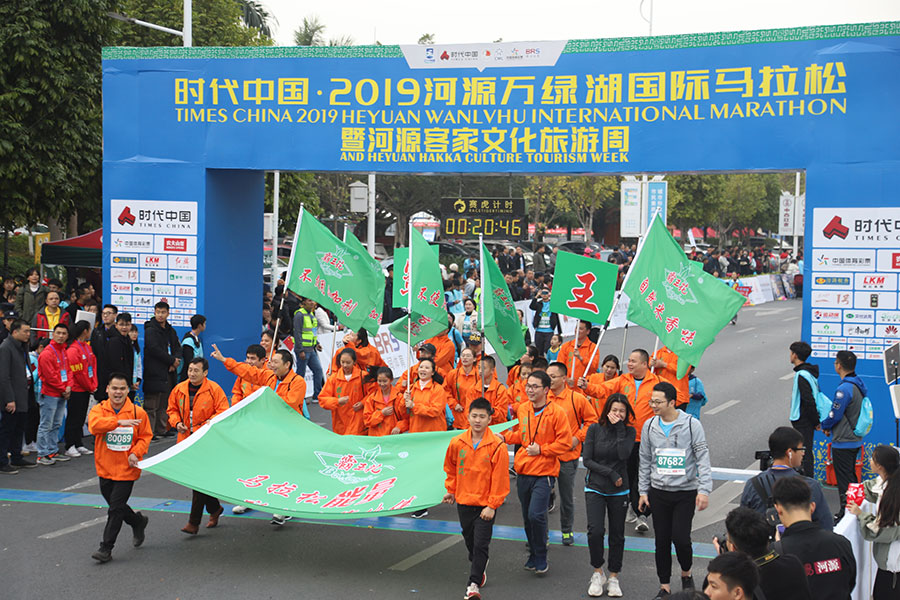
x: 607, y: 446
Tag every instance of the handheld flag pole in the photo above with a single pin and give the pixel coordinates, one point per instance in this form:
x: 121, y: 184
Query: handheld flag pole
x: 409, y: 314
x: 284, y: 292
x: 609, y: 318
x: 481, y: 308
x: 624, y: 340
x: 655, y: 348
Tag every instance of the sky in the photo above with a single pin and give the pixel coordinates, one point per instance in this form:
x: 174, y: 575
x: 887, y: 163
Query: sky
x: 465, y: 21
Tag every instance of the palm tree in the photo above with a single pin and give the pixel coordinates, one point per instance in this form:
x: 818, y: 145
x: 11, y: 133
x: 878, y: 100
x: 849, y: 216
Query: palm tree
x: 310, y: 33
x: 255, y: 15
x: 344, y: 40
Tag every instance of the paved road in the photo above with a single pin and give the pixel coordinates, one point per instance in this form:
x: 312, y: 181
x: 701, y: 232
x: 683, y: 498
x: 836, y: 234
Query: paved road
x: 51, y: 517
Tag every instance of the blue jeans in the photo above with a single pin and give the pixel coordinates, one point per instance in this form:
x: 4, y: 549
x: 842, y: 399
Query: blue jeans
x: 534, y: 496
x: 312, y: 359
x: 52, y: 412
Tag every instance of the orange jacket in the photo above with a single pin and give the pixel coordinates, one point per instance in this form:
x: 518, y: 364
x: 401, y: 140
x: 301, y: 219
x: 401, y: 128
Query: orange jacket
x: 513, y: 375
x: 446, y: 352
x: 243, y: 388
x: 459, y: 387
x: 598, y: 401
x: 624, y: 384
x: 582, y: 354
x: 477, y: 476
x: 344, y: 419
x: 113, y: 464
x: 670, y: 374
x: 580, y: 414
x: 517, y: 396
x: 209, y: 401
x: 497, y: 394
x: 427, y: 413
x: 291, y: 389
x: 374, y: 419
x: 366, y: 357
x: 550, y: 430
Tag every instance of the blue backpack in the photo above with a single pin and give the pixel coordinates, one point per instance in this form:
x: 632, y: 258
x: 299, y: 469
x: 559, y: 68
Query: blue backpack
x: 823, y: 402
x: 866, y: 417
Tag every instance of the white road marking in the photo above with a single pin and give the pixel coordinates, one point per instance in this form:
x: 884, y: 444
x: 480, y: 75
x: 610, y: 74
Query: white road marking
x: 786, y: 377
x: 723, y: 406
x: 746, y: 329
x: 789, y: 319
x: 72, y: 529
x: 427, y: 553
x: 720, y: 502
x: 773, y: 311
x: 82, y: 484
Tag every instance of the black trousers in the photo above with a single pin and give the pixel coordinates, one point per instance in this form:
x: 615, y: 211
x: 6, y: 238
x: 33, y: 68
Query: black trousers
x: 887, y: 586
x: 116, y: 494
x: 33, y: 420
x: 634, y: 461
x: 673, y: 513
x: 542, y: 341
x: 844, y: 471
x: 12, y: 429
x: 807, y: 431
x: 76, y: 411
x: 598, y: 508
x: 199, y: 501
x: 477, y: 534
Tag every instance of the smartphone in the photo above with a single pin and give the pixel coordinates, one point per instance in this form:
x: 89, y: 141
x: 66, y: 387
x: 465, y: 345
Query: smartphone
x: 780, y: 529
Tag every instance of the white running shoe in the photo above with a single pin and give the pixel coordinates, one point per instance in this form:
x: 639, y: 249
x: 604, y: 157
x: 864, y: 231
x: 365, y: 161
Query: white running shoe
x: 472, y: 592
x: 29, y: 448
x: 238, y: 509
x: 598, y: 580
x: 84, y: 451
x: 612, y: 589
x: 630, y: 516
x: 72, y: 452
x: 280, y: 519
x: 642, y: 526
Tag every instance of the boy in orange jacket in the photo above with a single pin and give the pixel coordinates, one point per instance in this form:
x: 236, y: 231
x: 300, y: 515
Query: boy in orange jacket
x: 477, y: 465
x: 121, y: 438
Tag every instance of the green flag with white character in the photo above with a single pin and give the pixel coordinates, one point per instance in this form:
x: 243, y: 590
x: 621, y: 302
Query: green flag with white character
x: 676, y: 299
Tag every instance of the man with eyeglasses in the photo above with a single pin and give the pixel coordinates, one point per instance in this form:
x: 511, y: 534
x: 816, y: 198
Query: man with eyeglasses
x: 99, y: 339
x: 787, y: 450
x: 544, y: 435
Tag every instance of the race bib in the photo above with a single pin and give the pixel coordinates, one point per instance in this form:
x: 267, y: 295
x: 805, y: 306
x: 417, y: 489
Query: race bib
x: 544, y: 322
x: 670, y: 461
x: 119, y: 439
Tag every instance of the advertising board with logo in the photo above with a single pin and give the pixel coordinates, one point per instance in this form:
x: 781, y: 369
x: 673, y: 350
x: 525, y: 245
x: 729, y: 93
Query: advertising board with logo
x: 154, y: 244
x: 863, y: 243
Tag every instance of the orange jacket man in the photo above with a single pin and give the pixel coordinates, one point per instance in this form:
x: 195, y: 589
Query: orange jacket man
x: 122, y: 437
x: 665, y: 365
x: 582, y: 348
x: 278, y: 374
x: 256, y: 357
x: 477, y: 465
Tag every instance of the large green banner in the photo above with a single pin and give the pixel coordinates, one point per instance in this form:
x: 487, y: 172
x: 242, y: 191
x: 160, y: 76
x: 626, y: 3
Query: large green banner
x: 263, y: 454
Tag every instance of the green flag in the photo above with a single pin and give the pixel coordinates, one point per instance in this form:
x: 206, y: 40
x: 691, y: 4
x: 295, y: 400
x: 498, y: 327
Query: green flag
x: 376, y: 295
x: 676, y: 299
x: 501, y: 322
x: 333, y: 273
x: 305, y: 470
x: 583, y: 287
x: 422, y: 282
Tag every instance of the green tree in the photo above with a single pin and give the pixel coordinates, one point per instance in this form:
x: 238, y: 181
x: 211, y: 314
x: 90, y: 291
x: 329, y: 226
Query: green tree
x: 405, y: 195
x: 574, y: 198
x: 310, y: 33
x: 695, y: 200
x: 295, y: 189
x: 215, y: 23
x: 426, y: 39
x: 256, y: 16
x: 50, y: 149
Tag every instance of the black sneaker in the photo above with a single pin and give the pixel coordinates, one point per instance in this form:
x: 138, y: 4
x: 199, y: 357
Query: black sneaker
x: 138, y: 530
x: 419, y: 514
x: 661, y: 594
x: 8, y: 469
x: 102, y: 555
x: 687, y: 583
x: 23, y: 464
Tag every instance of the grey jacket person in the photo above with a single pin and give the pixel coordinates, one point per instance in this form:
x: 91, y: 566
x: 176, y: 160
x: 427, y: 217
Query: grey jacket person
x: 13, y: 380
x: 686, y: 436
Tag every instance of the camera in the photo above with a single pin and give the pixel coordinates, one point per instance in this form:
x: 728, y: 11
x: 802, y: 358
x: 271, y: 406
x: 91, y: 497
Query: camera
x: 765, y: 459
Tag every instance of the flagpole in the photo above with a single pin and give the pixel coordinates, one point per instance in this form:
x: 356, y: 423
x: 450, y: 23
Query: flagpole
x: 624, y: 339
x: 615, y: 304
x: 481, y: 307
x: 409, y: 296
x: 655, y: 347
x: 284, y: 292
